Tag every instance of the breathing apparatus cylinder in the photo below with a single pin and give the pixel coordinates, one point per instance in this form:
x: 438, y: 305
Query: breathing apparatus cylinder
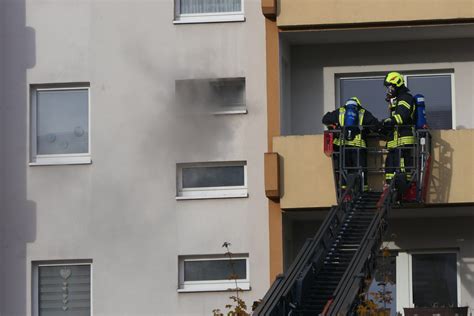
x: 351, y: 119
x: 420, y: 114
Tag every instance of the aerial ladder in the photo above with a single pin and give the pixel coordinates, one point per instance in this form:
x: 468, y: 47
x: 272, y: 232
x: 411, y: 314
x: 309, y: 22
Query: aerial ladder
x: 330, y: 271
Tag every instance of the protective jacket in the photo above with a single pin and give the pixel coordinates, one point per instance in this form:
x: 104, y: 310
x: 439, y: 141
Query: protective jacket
x: 337, y: 117
x: 402, y: 110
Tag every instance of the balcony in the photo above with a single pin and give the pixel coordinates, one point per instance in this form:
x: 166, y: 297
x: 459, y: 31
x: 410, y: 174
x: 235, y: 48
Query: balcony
x: 302, y: 13
x: 306, y: 179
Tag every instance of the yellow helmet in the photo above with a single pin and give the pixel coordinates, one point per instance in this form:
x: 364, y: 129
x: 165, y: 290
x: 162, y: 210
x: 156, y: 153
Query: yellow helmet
x: 394, y: 78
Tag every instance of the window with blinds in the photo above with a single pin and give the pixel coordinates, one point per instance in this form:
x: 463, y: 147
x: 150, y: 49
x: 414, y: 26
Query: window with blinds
x: 62, y: 289
x: 195, y: 11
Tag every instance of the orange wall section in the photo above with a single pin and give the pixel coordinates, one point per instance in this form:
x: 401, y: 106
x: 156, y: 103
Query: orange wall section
x: 273, y: 130
x: 272, y: 176
x: 326, y: 12
x: 305, y: 172
x: 452, y: 172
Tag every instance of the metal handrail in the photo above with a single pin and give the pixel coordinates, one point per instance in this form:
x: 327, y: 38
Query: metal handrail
x: 363, y: 262
x: 286, y: 292
x: 421, y: 152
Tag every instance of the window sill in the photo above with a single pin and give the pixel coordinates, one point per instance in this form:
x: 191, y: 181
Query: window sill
x: 230, y: 112
x: 225, y: 288
x: 209, y: 19
x: 54, y: 161
x: 212, y: 196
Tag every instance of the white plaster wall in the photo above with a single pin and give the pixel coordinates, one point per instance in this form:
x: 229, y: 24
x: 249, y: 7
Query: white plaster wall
x: 120, y: 211
x: 313, y: 68
x: 2, y: 135
x: 18, y: 219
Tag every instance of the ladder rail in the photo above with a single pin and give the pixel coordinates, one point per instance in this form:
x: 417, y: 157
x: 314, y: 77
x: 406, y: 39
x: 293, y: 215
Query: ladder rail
x: 287, y: 290
x: 363, y: 262
x: 290, y: 292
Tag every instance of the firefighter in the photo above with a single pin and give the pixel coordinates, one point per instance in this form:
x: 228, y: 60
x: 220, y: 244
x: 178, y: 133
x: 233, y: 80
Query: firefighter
x: 399, y: 127
x: 351, y: 116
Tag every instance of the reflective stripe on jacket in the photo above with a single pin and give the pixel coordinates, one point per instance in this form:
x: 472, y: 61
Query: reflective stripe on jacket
x: 357, y: 141
x: 402, y: 113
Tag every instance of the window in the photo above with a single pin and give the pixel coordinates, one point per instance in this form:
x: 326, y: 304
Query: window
x: 434, y: 279
x: 60, y: 132
x: 437, y: 89
x: 369, y: 90
x: 211, y: 180
x: 62, y: 288
x: 218, y: 96
x: 213, y: 273
x: 201, y: 11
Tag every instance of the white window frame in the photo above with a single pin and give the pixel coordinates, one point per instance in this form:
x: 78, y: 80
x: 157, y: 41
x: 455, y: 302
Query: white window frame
x: 56, y: 159
x: 55, y: 263
x: 210, y: 192
x: 237, y: 16
x: 405, y: 74
x: 214, y: 285
x: 433, y: 252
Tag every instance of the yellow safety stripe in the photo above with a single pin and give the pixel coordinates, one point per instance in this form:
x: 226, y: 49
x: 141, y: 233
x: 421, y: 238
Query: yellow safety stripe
x: 341, y: 116
x: 342, y: 112
x: 390, y: 176
x: 357, y: 141
x: 361, y: 116
x: 400, y: 141
x: 398, y: 118
x: 402, y: 164
x: 405, y: 104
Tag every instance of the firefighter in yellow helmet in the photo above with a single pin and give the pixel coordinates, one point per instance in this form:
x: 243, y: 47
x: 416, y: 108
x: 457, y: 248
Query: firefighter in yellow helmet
x: 399, y: 127
x: 354, y: 136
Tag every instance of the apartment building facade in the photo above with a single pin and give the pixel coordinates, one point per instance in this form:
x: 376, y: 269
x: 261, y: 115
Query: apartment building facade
x: 132, y: 135
x: 320, y: 53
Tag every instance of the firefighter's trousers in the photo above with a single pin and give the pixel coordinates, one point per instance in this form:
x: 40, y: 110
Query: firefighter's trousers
x: 355, y: 159
x: 399, y: 159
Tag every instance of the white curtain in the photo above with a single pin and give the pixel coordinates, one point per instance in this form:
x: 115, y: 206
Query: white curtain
x: 210, y: 6
x: 62, y: 121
